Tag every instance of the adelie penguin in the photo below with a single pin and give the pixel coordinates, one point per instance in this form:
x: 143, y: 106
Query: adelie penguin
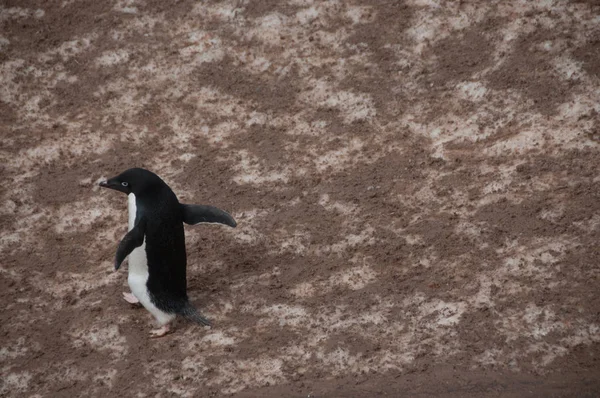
x: 155, y: 245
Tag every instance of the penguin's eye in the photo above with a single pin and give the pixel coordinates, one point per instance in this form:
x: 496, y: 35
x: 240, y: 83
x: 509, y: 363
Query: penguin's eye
x: 124, y: 183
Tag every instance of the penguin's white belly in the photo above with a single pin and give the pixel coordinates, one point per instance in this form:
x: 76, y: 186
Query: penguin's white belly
x: 138, y: 272
x: 138, y: 262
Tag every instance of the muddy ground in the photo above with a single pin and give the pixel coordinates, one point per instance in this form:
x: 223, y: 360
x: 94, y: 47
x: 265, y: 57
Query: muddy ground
x: 417, y: 187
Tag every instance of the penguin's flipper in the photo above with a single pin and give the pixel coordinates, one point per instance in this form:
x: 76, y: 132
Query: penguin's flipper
x: 195, y: 214
x: 133, y: 239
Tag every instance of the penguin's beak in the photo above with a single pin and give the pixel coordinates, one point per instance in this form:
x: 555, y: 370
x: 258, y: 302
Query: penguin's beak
x: 108, y: 184
x: 113, y: 185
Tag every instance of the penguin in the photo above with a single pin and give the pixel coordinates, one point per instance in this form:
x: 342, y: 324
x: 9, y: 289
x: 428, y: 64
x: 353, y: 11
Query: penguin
x: 155, y: 245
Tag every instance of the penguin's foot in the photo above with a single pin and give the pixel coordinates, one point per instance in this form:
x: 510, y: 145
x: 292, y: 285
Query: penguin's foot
x: 130, y: 298
x: 160, y: 332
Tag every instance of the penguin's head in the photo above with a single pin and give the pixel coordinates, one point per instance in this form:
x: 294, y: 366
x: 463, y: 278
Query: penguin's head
x: 134, y: 181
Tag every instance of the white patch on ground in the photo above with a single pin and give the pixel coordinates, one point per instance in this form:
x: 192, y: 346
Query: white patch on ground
x: 354, y: 278
x: 126, y: 6
x: 28, y: 217
x: 550, y: 353
x: 67, y: 374
x: 577, y: 115
x: 51, y: 149
x: 473, y: 91
x: 354, y: 107
x: 332, y: 320
x: 270, y: 28
x: 519, y: 143
x: 20, y: 13
x: 69, y: 49
x: 202, y: 47
x: 175, y: 377
x: 105, y: 377
x: 303, y: 290
x: 501, y: 182
x: 193, y: 365
x: 218, y: 339
x: 536, y: 259
x: 444, y: 313
x: 38, y: 154
x: 283, y: 314
x: 186, y: 157
x: 67, y: 284
x: 489, y: 357
x: 246, y: 232
x: 255, y: 118
x: 111, y: 58
x: 246, y: 282
x: 340, y: 361
x: 567, y: 68
x: 255, y: 65
x: 3, y: 42
x: 359, y: 14
x: 427, y: 28
x: 584, y: 334
x: 307, y: 15
x: 338, y: 159
x: 128, y: 102
x: 536, y: 322
x: 365, y: 237
x: 13, y: 382
x: 238, y: 374
x: 471, y: 230
x: 337, y: 206
x: 106, y: 338
x: 444, y: 130
x: 211, y: 101
x: 79, y: 216
x: 483, y: 297
x: 249, y: 171
x: 301, y: 127
x: 413, y: 239
x: 295, y: 242
x: 18, y: 349
x: 590, y: 224
x: 553, y: 212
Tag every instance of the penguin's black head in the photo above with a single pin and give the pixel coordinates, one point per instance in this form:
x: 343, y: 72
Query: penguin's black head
x: 134, y: 181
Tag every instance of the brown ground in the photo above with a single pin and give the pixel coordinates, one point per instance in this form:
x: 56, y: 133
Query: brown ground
x: 417, y: 186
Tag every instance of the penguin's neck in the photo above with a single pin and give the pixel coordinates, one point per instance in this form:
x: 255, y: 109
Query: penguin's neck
x: 132, y: 207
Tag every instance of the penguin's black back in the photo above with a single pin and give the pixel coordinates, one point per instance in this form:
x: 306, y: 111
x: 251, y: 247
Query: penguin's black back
x: 165, y: 244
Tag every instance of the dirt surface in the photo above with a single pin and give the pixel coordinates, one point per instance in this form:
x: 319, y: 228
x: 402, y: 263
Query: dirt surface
x: 417, y: 187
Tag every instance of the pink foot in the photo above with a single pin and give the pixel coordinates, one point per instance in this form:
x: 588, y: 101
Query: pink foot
x: 163, y: 331
x: 130, y: 298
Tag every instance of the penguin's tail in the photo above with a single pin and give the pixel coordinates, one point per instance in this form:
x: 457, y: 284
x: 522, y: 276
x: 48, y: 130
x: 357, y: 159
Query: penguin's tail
x: 190, y: 312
